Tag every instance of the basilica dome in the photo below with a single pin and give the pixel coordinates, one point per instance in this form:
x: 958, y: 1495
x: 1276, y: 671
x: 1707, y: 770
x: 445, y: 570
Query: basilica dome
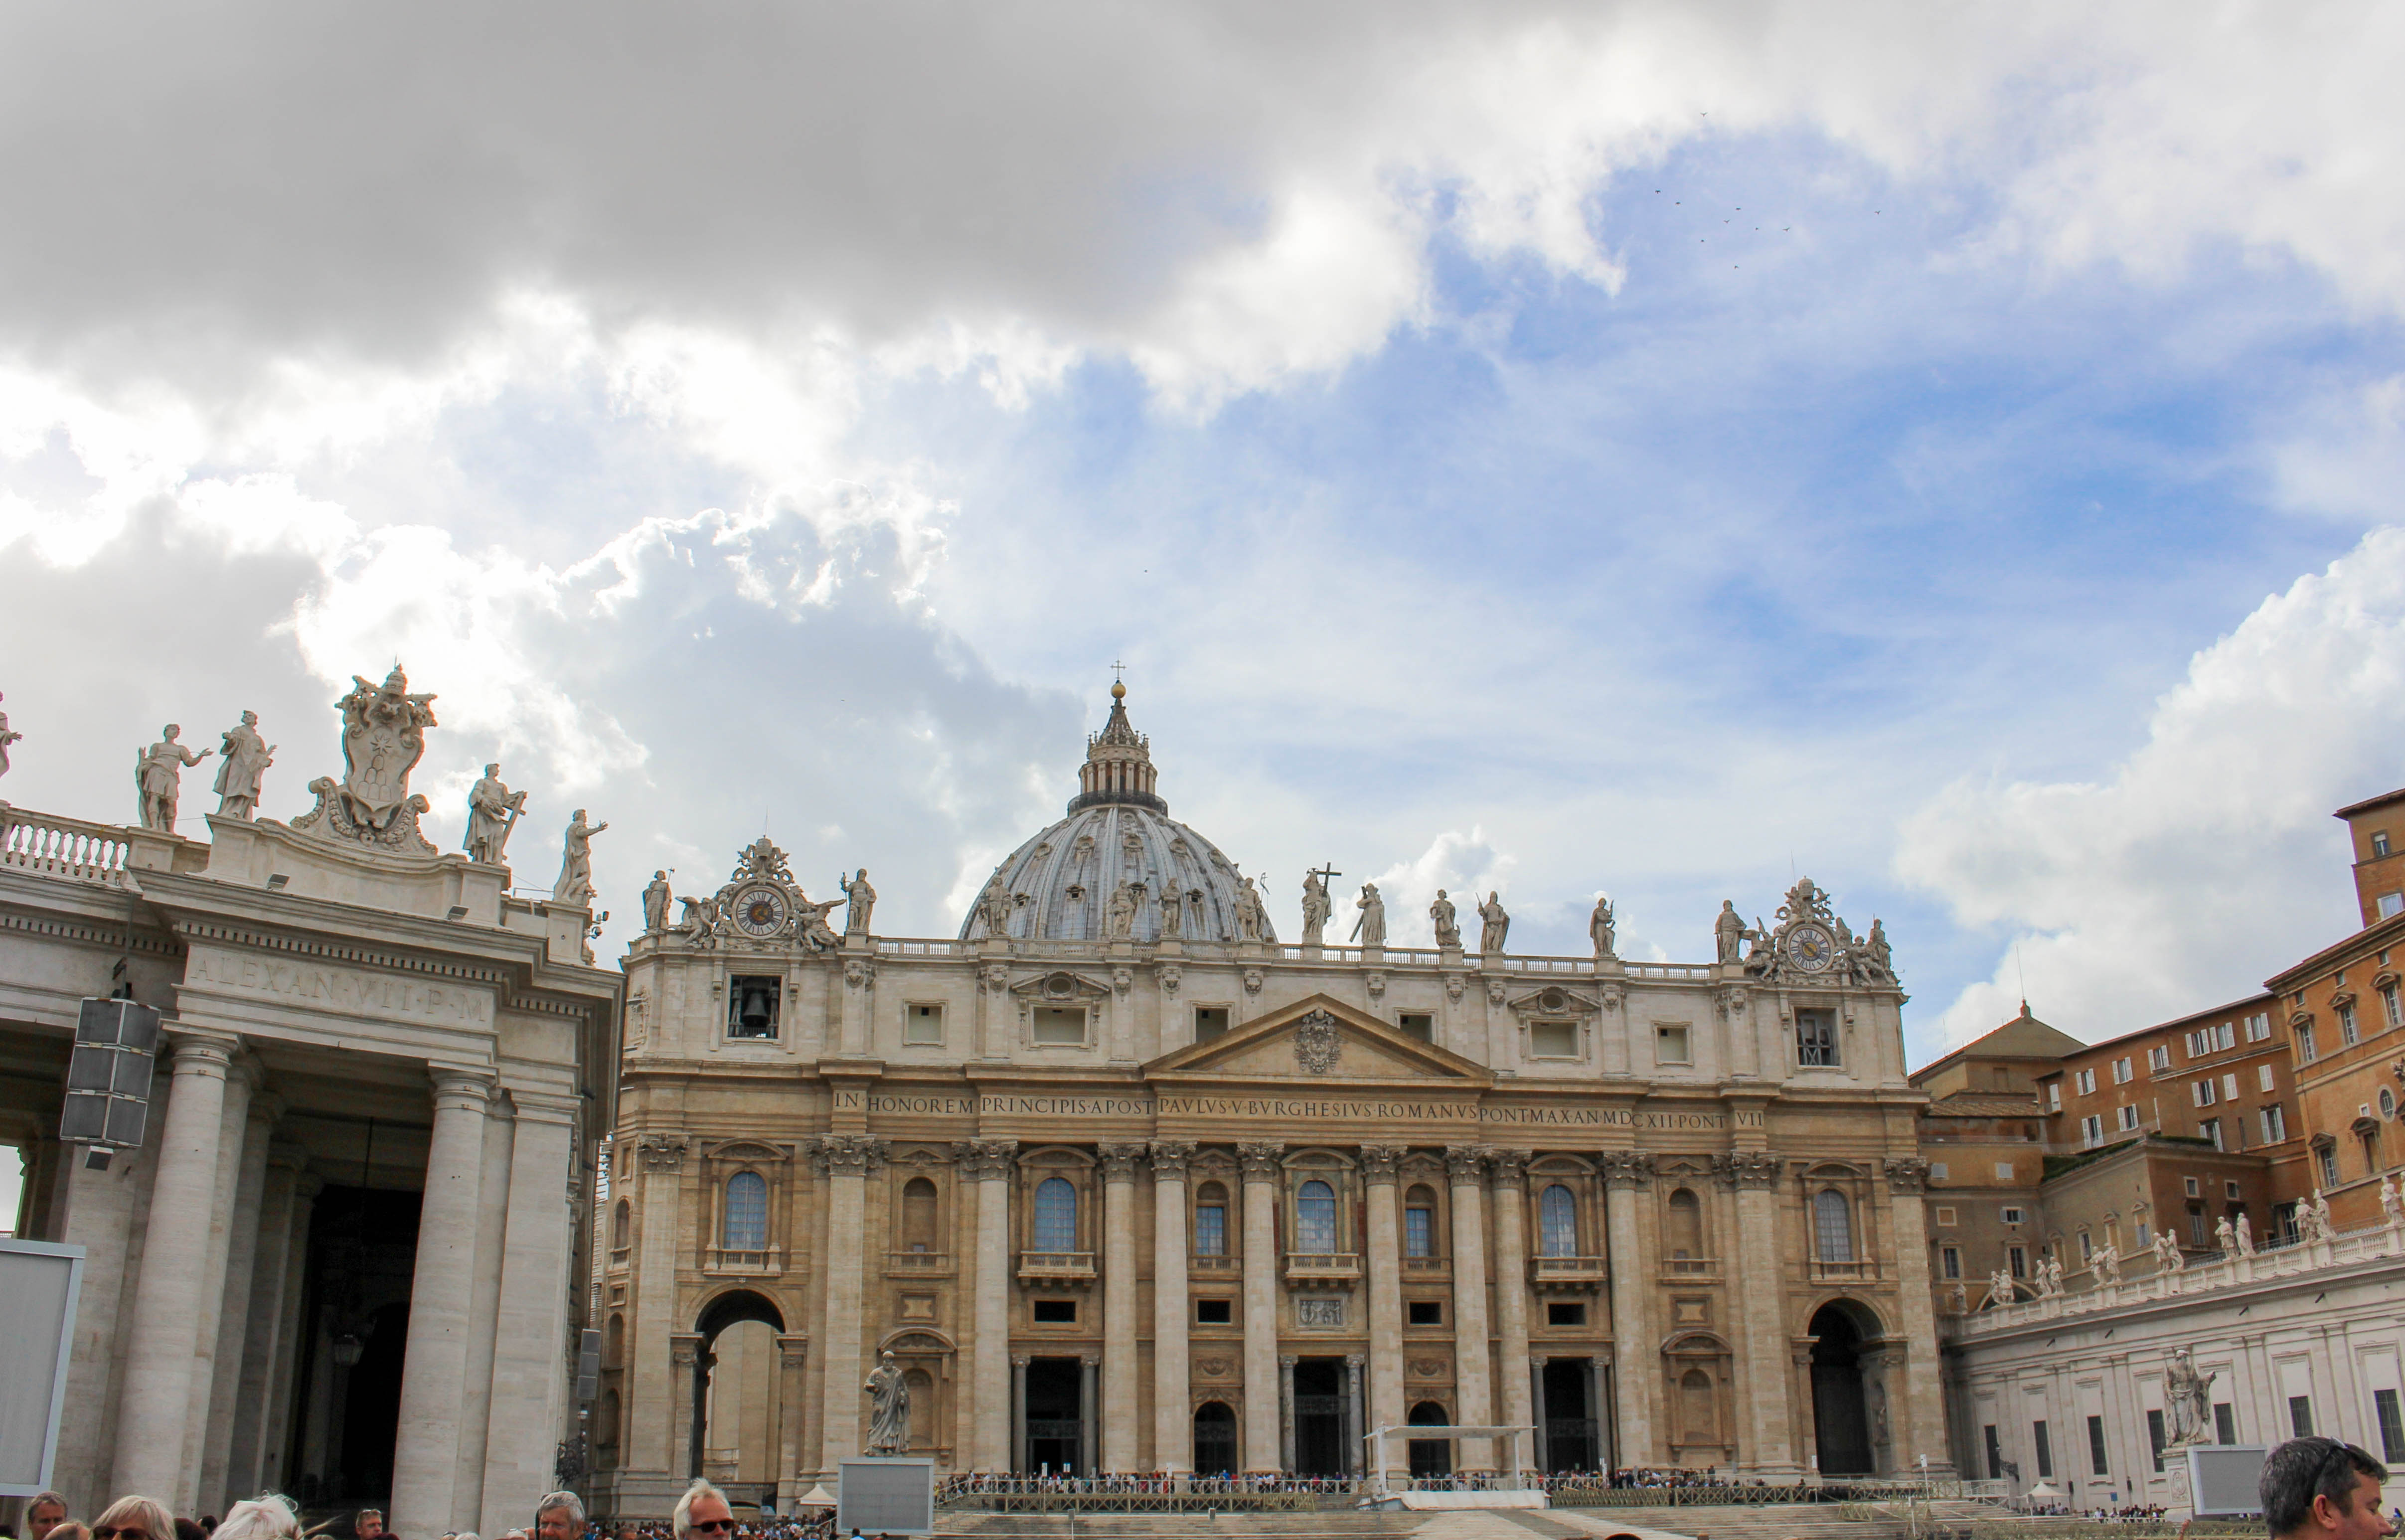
x: 1118, y: 843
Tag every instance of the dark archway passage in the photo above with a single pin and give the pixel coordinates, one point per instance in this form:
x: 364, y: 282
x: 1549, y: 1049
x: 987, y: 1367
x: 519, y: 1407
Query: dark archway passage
x: 727, y: 1309
x: 1842, y: 1421
x: 1319, y: 1417
x: 1569, y: 1442
x: 1214, y: 1439
x: 1056, y: 1425
x: 1429, y: 1456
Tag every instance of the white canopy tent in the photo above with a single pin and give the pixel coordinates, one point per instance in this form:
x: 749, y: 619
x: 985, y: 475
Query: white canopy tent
x: 1453, y: 1432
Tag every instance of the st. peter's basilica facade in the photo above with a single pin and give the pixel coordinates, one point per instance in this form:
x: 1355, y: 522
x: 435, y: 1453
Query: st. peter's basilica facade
x: 1123, y: 1182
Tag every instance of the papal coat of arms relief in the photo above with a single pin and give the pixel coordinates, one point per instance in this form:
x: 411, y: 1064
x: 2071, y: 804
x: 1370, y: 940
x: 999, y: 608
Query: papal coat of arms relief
x: 1316, y: 1044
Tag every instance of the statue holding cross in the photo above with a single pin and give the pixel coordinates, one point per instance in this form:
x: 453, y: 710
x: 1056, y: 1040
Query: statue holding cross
x: 1316, y: 906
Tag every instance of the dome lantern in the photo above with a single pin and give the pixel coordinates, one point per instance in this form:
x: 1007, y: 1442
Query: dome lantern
x: 1119, y: 765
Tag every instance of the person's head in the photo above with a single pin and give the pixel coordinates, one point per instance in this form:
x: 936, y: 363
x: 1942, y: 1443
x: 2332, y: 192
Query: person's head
x: 45, y: 1513
x: 69, y: 1529
x: 269, y: 1518
x: 559, y: 1517
x: 134, y: 1518
x: 189, y: 1528
x: 367, y: 1523
x: 703, y: 1514
x: 2321, y: 1489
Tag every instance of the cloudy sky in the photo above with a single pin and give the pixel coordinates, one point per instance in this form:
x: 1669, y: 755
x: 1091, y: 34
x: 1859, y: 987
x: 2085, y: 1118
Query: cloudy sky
x: 1952, y: 451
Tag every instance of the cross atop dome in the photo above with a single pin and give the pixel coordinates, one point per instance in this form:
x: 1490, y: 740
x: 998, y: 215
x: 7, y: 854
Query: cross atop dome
x: 1118, y: 762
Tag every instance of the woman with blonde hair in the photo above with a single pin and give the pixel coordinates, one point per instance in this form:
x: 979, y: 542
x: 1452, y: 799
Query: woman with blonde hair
x: 266, y: 1517
x: 134, y: 1518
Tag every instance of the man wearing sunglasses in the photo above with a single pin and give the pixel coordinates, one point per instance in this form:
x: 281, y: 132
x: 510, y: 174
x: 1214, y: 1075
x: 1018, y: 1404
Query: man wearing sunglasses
x: 703, y: 1514
x: 2320, y: 1489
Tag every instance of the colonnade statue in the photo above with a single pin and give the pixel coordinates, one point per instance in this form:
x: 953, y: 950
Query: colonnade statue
x: 1315, y: 908
x: 1599, y: 926
x: 158, y: 777
x: 493, y: 811
x: 246, y: 757
x: 862, y: 899
x: 1497, y: 924
x: 575, y: 883
x: 7, y: 738
x: 1372, y: 927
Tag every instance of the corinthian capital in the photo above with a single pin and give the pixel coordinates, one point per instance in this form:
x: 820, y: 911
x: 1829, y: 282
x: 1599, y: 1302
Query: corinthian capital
x: 1118, y: 1161
x: 1169, y: 1158
x: 1466, y: 1163
x: 1907, y: 1174
x: 1380, y: 1162
x: 1627, y: 1168
x: 847, y: 1155
x: 986, y: 1159
x: 1259, y: 1161
x: 662, y: 1152
x: 1509, y: 1168
x: 1747, y: 1169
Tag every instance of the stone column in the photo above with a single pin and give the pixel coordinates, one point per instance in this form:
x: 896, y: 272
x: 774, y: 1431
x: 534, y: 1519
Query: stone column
x: 1760, y: 1299
x: 1173, y: 1442
x: 155, y: 1402
x: 1089, y: 1373
x: 434, y: 1367
x: 531, y: 1343
x: 1380, y: 1164
x: 483, y: 1312
x: 651, y: 1435
x: 1471, y: 1353
x: 992, y: 1388
x: 793, y: 1361
x: 1352, y: 1431
x: 274, y: 1268
x: 1626, y: 1174
x: 1923, y: 1424
x: 684, y: 1388
x: 243, y: 1232
x: 1261, y: 1412
x: 291, y: 1340
x: 1285, y: 1409
x: 1539, y: 1413
x: 1016, y: 1431
x: 225, y: 1239
x: 845, y: 1162
x: 1118, y: 1439
x: 1511, y: 1191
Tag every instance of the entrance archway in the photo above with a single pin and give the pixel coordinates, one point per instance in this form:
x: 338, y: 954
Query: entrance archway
x: 1319, y: 1417
x: 1570, y: 1430
x: 735, y: 1400
x: 1429, y: 1456
x: 1841, y: 1416
x: 1056, y: 1415
x: 1214, y: 1439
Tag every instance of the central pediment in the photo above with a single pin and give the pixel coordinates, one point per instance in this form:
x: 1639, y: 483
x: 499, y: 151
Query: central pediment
x: 1317, y: 1041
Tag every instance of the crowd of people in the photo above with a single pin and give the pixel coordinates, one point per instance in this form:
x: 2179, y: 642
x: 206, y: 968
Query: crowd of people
x: 559, y: 1515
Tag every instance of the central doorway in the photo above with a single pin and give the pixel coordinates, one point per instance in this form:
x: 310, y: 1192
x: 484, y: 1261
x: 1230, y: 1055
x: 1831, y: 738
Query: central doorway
x: 1319, y: 1417
x: 1056, y: 1422
x: 1839, y: 1417
x: 1429, y: 1456
x: 1214, y: 1439
x: 1570, y: 1423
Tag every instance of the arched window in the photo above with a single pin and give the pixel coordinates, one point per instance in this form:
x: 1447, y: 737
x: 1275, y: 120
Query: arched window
x: 1419, y: 1223
x: 918, y: 1215
x: 1695, y: 1407
x: 1214, y: 1439
x: 622, y: 1226
x: 605, y: 1432
x: 1314, y: 1216
x: 1833, y: 1225
x: 1210, y: 1222
x: 1056, y: 1216
x: 1686, y: 1227
x: 747, y: 1213
x: 613, y: 1343
x: 1557, y: 1223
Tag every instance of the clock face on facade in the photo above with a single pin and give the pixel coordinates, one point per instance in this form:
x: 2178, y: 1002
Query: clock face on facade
x: 760, y: 911
x: 1811, y: 947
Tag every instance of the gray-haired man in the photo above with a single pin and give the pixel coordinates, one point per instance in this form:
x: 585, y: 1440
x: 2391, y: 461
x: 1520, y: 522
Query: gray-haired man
x: 2320, y: 1489
x: 703, y: 1514
x: 559, y: 1517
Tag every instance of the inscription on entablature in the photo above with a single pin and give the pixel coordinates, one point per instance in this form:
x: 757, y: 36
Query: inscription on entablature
x: 344, y: 990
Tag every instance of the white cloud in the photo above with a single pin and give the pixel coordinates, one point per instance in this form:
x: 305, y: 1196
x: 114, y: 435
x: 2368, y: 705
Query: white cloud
x: 1464, y: 866
x: 2209, y: 859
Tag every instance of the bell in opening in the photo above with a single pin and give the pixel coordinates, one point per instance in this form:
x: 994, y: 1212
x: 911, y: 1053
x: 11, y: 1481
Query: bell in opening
x: 754, y: 1011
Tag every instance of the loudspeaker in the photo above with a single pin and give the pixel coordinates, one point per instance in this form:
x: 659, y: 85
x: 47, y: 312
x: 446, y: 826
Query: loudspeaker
x: 108, y: 1074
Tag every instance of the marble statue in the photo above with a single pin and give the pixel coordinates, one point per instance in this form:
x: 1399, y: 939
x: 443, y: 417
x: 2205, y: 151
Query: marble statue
x: 2168, y: 1258
x: 1440, y: 914
x: 246, y: 757
x: 655, y: 905
x: 889, y: 1401
x: 1119, y: 915
x: 384, y: 737
x: 2001, y: 1288
x: 699, y: 921
x: 2224, y: 1234
x: 810, y: 921
x: 1315, y: 908
x: 158, y: 777
x: 493, y: 811
x: 1599, y: 926
x: 994, y: 904
x: 2106, y: 1265
x: 2188, y: 1396
x: 860, y: 900
x: 575, y: 883
x: 2246, y: 1237
x: 1252, y: 920
x: 2322, y: 1216
x: 1881, y: 957
x: 2049, y: 1278
x: 1494, y: 925
x: 7, y: 738
x: 1372, y: 927
x: 1960, y: 1297
x: 2392, y: 1202
x: 1728, y: 932
x: 1172, y: 912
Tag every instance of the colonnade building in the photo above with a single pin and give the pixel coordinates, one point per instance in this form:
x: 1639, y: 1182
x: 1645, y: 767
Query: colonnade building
x: 1123, y: 1182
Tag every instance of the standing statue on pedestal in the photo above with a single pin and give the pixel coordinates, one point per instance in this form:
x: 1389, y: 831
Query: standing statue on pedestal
x: 1172, y: 912
x: 2106, y: 1265
x: 2392, y: 1203
x: 861, y: 898
x: 1372, y: 927
x: 7, y: 738
x: 1728, y: 932
x: 158, y: 777
x: 1315, y: 908
x: 2001, y: 1288
x: 1882, y: 957
x: 2322, y: 1215
x: 493, y: 811
x: 246, y: 757
x: 1252, y: 920
x: 2246, y: 1237
x: 575, y: 883
x: 656, y: 903
x: 2226, y: 1236
x: 889, y: 1404
x: 1441, y: 915
x: 1495, y: 925
x: 2189, y: 1398
x: 2168, y: 1258
x: 1599, y: 926
x: 1119, y: 916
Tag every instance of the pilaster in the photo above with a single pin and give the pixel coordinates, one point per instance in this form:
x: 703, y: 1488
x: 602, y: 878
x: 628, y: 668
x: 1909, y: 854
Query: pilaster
x: 1511, y: 1192
x: 1380, y: 1164
x: 1118, y: 1405
x: 1262, y: 1418
x: 1173, y: 1438
x: 1471, y: 1376
x: 1626, y: 1173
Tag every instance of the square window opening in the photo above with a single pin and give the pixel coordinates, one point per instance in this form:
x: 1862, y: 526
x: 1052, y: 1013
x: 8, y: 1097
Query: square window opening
x: 1059, y: 1025
x: 1552, y: 1040
x: 752, y: 1005
x: 1210, y: 1021
x: 923, y: 1026
x: 1816, y: 1037
x: 1426, y: 1313
x: 1214, y: 1313
x: 1055, y: 1313
x: 1416, y: 1024
x: 1558, y: 1313
x: 1670, y: 1045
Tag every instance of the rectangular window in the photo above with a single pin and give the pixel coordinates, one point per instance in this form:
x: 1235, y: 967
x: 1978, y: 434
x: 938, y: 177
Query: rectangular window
x: 2391, y: 1008
x: 1209, y: 1022
x: 1424, y: 1313
x: 2225, y: 1422
x: 1995, y: 1452
x: 2210, y: 1129
x: 2264, y: 1079
x: 1210, y: 1229
x: 1552, y: 1040
x: 1214, y: 1313
x: 2226, y: 1035
x: 2087, y: 1079
x: 2158, y: 1057
x: 752, y: 1005
x: 2305, y: 1049
x: 2258, y: 1027
x: 2155, y: 1436
x: 923, y: 1026
x: 1670, y: 1045
x: 1417, y: 1024
x: 2010, y: 1215
x: 2086, y: 1247
x: 2230, y: 1087
x: 1816, y: 1037
x: 2096, y: 1466
x: 1944, y: 1214
x: 2392, y: 1428
x: 2275, y: 1125
x: 2124, y: 1072
x: 2301, y: 1417
x: 2327, y: 1158
x: 1558, y: 1313
x: 1419, y: 1232
x: 2379, y: 843
x: 2004, y: 1171
x: 2017, y: 1258
x: 2391, y: 905
x: 2204, y: 1092
x: 2145, y: 1236
x: 2042, y: 1447
x: 2347, y: 1032
x: 2129, y: 1119
x: 1054, y: 1312
x: 2230, y: 1191
x: 1059, y: 1024
x: 1949, y: 1261
x: 2091, y: 1128
x: 2054, y: 1095
x: 2196, y: 1223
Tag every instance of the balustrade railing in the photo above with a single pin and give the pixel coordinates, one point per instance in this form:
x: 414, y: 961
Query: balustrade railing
x: 71, y: 848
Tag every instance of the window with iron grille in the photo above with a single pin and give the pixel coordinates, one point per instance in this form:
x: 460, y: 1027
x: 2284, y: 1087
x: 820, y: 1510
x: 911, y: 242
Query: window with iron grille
x: 1056, y: 1215
x: 1833, y: 1225
x: 1557, y: 1222
x: 747, y: 1213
